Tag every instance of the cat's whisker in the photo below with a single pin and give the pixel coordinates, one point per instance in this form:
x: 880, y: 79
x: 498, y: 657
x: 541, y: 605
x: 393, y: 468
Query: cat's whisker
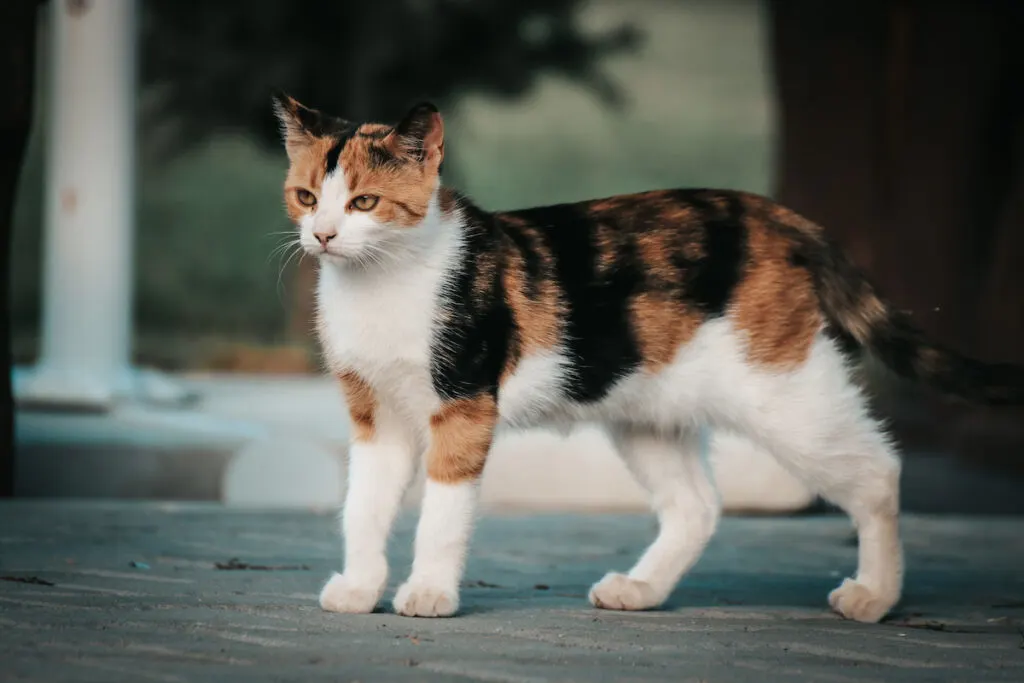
x: 279, y: 252
x: 380, y: 256
x: 280, y: 272
x: 283, y: 246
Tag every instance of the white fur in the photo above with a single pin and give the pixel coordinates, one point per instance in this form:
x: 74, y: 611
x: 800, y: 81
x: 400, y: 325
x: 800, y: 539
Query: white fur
x: 442, y: 537
x: 749, y: 478
x: 358, y: 238
x: 379, y: 472
x: 535, y: 390
x: 377, y: 319
x: 672, y: 469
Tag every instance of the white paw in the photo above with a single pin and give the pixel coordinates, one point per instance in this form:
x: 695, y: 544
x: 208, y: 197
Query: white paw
x: 424, y: 600
x: 856, y: 601
x: 343, y: 595
x: 618, y: 591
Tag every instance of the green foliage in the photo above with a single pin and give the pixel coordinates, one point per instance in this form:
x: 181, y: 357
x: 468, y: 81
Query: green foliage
x: 206, y: 257
x: 213, y: 65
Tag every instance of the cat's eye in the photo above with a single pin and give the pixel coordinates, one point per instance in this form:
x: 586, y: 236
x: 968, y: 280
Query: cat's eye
x: 365, y: 202
x: 305, y: 197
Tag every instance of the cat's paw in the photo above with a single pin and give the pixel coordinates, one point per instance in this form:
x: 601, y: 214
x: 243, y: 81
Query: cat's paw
x: 618, y: 591
x: 856, y: 601
x: 341, y: 594
x: 415, y: 599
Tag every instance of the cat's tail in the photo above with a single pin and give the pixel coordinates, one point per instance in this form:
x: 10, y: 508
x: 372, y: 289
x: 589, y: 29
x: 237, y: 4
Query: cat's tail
x: 856, y: 312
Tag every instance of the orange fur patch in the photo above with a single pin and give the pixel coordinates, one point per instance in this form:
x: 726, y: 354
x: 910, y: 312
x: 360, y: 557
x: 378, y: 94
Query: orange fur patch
x: 869, y: 314
x: 656, y: 254
x: 460, y: 439
x: 539, y: 318
x: 404, y: 188
x: 362, y: 405
x: 376, y: 161
x: 609, y: 204
x: 775, y: 303
x: 606, y: 242
x: 861, y: 317
x: 660, y: 322
x: 486, y: 270
x: 306, y: 172
x: 780, y: 215
x: 661, y: 325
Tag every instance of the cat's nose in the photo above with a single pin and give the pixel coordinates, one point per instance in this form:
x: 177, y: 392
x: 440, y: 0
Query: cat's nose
x: 324, y: 236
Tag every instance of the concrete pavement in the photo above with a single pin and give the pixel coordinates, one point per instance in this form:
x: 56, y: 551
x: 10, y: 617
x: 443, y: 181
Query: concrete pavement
x: 121, y: 591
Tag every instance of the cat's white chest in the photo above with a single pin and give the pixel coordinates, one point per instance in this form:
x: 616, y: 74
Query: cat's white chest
x: 375, y: 322
x: 381, y: 328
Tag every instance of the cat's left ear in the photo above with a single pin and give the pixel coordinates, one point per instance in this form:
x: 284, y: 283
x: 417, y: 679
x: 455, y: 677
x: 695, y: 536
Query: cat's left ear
x: 299, y: 124
x: 421, y: 134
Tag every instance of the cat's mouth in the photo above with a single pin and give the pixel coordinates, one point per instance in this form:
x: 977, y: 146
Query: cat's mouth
x: 332, y: 254
x: 335, y: 255
x: 322, y: 250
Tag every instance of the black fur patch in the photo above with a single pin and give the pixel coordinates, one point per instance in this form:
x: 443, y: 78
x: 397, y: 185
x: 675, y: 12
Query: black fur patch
x: 894, y: 339
x: 708, y: 249
x: 379, y: 156
x: 710, y: 281
x: 322, y: 125
x: 470, y: 350
x: 531, y: 260
x: 341, y: 138
x: 599, y: 338
x: 332, y: 155
x: 375, y: 134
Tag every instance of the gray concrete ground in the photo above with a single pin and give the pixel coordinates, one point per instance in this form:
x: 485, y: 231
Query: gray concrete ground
x: 98, y: 591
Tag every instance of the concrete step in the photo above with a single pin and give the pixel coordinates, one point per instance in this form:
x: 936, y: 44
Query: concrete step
x: 281, y: 440
x: 258, y: 440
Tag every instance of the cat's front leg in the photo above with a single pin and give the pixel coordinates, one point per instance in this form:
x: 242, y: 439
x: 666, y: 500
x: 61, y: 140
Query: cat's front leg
x: 381, y: 463
x: 460, y: 438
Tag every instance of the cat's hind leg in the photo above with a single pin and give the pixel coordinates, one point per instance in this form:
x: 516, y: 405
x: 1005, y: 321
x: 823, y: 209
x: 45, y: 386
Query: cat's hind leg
x: 864, y: 482
x: 821, y: 430
x: 673, y: 470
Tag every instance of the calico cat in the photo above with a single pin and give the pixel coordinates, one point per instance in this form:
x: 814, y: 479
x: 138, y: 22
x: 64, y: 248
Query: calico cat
x: 657, y: 314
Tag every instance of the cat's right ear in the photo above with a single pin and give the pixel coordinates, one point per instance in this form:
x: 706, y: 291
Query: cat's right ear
x: 420, y: 134
x: 296, y: 121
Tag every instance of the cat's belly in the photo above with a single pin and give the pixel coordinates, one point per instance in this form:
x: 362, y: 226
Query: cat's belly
x: 697, y: 382
x: 538, y: 399
x: 535, y: 392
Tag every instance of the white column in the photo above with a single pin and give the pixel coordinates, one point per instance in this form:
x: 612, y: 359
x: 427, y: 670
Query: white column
x: 89, y: 212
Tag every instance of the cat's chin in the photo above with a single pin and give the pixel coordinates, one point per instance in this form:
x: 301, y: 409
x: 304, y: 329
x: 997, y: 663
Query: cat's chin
x: 345, y: 261
x: 336, y: 259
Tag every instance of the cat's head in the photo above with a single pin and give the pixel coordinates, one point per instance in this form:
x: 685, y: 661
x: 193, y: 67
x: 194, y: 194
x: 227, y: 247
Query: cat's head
x: 359, y: 193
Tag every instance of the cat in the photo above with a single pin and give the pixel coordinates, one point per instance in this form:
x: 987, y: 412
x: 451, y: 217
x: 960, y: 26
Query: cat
x: 658, y: 314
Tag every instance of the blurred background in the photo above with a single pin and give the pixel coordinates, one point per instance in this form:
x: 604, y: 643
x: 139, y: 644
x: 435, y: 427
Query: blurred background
x: 898, y: 125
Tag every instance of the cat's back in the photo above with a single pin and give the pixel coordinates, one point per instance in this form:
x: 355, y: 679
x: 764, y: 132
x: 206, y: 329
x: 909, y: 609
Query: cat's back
x: 620, y: 285
x: 679, y: 216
